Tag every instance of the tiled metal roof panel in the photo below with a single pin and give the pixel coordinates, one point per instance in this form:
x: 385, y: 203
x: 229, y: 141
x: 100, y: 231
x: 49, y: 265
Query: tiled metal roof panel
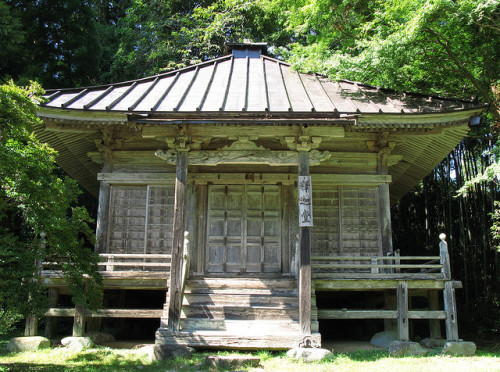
x: 255, y: 85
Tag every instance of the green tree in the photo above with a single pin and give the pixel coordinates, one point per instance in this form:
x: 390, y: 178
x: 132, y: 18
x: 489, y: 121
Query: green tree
x: 34, y: 200
x: 441, y: 47
x: 163, y: 35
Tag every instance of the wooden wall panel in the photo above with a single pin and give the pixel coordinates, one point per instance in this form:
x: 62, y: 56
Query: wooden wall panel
x: 359, y: 222
x: 345, y: 222
x: 127, y: 219
x: 140, y: 219
x: 325, y: 232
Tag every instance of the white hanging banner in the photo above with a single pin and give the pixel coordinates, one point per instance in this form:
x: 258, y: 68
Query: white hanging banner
x: 305, y: 202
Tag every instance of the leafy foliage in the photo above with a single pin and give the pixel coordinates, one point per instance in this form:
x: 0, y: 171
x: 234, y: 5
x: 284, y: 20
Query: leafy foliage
x: 35, y: 201
x: 441, y: 46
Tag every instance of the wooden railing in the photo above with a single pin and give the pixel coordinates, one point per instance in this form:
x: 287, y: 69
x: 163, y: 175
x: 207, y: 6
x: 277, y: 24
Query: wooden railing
x: 376, y: 265
x: 119, y: 262
x: 134, y: 262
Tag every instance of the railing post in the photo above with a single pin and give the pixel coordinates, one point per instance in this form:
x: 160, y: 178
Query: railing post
x: 397, y: 261
x: 450, y: 306
x: 110, y: 266
x: 444, y: 257
x: 374, y: 265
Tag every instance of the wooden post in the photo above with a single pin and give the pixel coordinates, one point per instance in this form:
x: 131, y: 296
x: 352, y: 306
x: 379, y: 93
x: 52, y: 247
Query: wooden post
x: 434, y: 324
x: 103, y: 210
x: 79, y: 321
x: 305, y: 261
x: 384, y: 199
x: 385, y: 218
x: 51, y: 321
x: 174, y: 292
x: 451, y: 312
x: 31, y: 325
x: 402, y: 297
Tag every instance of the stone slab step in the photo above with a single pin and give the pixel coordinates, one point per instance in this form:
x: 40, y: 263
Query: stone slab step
x: 230, y: 340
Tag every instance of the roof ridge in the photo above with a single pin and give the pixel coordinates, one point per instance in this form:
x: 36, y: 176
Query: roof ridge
x: 275, y: 60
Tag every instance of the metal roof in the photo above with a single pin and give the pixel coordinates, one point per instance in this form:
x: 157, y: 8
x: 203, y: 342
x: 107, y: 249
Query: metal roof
x: 253, y: 85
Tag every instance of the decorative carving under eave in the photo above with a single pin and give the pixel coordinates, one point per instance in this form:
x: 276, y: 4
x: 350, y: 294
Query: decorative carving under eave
x: 244, y: 143
x: 269, y: 157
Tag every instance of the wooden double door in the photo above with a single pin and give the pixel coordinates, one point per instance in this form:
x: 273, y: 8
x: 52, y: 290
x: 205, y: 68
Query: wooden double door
x: 244, y: 229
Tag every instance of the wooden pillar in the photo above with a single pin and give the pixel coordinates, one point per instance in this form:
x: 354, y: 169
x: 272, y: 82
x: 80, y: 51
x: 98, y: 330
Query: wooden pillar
x: 385, y: 218
x: 31, y: 326
x: 51, y: 321
x: 402, y: 298
x: 79, y: 321
x: 305, y: 261
x: 383, y: 196
x: 103, y: 210
x: 434, y: 324
x: 175, y: 290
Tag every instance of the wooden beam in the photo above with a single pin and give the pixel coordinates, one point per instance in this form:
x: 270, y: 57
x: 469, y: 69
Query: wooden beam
x: 60, y: 312
x: 305, y: 261
x: 126, y: 313
x: 137, y: 178
x: 402, y: 298
x: 365, y: 180
x: 175, y: 290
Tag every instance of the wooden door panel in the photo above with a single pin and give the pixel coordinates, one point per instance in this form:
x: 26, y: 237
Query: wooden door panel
x: 244, y: 228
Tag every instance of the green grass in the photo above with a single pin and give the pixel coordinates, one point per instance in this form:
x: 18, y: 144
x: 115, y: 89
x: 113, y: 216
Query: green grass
x: 106, y: 359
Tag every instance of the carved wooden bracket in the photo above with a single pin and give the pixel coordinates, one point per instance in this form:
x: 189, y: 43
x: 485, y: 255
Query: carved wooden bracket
x: 384, y: 147
x: 302, y: 143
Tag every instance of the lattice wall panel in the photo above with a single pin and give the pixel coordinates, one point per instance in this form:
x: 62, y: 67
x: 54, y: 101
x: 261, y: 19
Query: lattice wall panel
x: 141, y: 219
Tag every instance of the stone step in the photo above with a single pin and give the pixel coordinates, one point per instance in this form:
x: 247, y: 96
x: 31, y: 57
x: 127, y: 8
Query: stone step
x: 240, y: 312
x: 230, y: 340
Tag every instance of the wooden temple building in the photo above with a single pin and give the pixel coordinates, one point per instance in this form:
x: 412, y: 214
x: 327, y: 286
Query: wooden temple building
x: 254, y: 201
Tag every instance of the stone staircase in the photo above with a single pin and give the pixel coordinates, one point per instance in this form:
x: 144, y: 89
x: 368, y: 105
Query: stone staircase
x: 240, y: 312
